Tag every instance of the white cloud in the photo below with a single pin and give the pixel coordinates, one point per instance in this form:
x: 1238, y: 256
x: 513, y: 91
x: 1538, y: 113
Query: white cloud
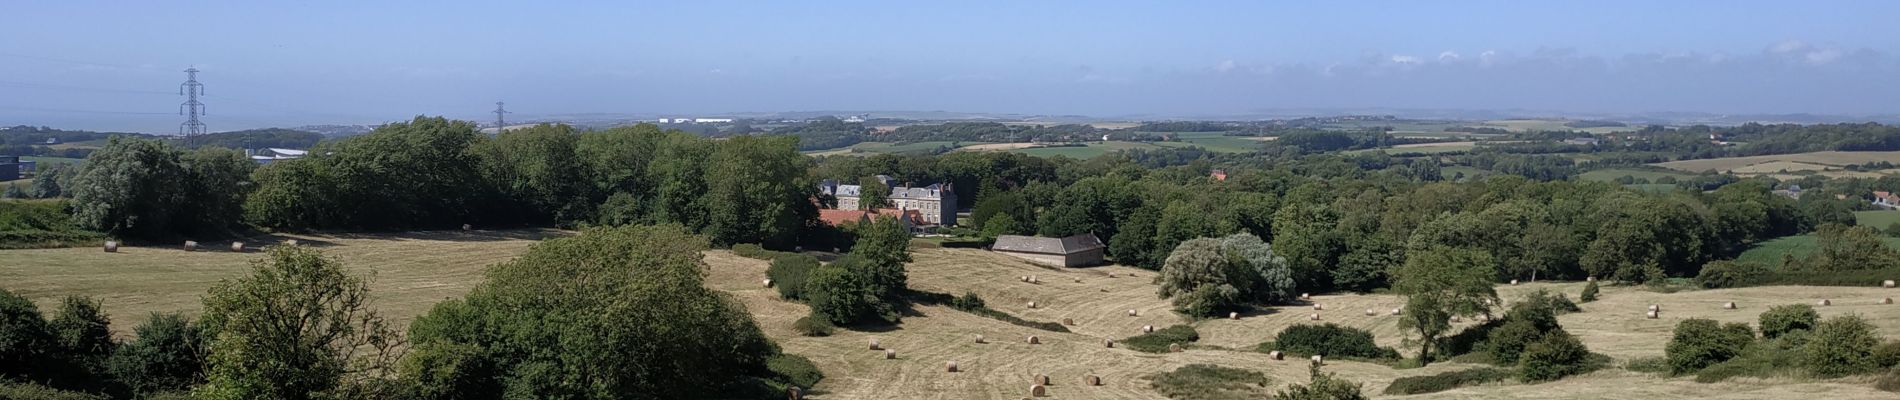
x: 1448, y: 56
x: 1823, y: 56
x: 1404, y: 59
x: 1225, y: 66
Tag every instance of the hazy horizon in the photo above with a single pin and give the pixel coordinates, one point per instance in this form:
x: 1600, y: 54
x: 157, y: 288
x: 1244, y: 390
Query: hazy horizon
x: 112, y: 66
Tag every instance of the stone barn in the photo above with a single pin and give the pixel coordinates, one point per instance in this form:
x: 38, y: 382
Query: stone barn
x: 1074, y: 251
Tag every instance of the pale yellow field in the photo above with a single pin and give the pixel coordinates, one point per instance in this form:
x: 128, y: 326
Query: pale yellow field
x: 412, y: 270
x: 997, y: 146
x: 1002, y: 369
x: 416, y: 270
x: 1832, y: 161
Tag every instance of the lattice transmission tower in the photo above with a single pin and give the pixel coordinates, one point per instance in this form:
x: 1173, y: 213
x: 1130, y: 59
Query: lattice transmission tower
x: 499, y: 123
x: 191, y: 108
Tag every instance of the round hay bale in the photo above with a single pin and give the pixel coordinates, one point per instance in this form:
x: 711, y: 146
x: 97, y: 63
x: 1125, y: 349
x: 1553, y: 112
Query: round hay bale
x: 1728, y: 305
x: 1131, y: 312
x: 1888, y: 300
x: 1111, y: 274
x: 112, y: 246
x: 1653, y: 307
x: 1037, y: 391
x: 950, y: 366
x: 468, y: 227
x: 1317, y: 307
x: 1032, y: 304
x: 237, y: 247
x: 1024, y: 278
x: 1306, y: 296
x: 1276, y: 355
x: 1068, y: 321
x: 1826, y: 302
x: 1147, y: 329
x: 1397, y: 311
x: 1887, y: 284
x: 794, y: 393
x: 291, y: 242
x: 1233, y: 315
x: 1319, y: 360
x: 1315, y: 316
x: 191, y: 245
x: 1371, y: 312
x: 1652, y: 314
x: 1455, y: 318
x: 1042, y: 379
x: 768, y: 282
x: 1590, y: 279
x: 1034, y: 279
x: 890, y: 354
x: 979, y: 339
x: 1108, y: 343
x: 874, y: 345
x: 1174, y: 347
x: 1034, y: 340
x: 1513, y: 281
x: 1092, y: 380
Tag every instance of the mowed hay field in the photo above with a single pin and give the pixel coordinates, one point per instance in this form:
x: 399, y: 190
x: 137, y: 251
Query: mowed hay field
x: 1004, y: 367
x: 411, y: 271
x: 1831, y: 161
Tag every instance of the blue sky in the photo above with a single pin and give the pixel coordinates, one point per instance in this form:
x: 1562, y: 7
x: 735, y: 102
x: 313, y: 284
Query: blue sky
x: 98, y: 64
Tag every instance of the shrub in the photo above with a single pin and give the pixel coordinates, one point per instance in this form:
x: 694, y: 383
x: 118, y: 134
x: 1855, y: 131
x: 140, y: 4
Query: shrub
x: 1330, y: 340
x: 1323, y: 387
x: 1761, y: 360
x: 1470, y: 339
x: 1654, y: 365
x: 1158, y: 341
x: 1699, y: 343
x: 1207, y: 276
x: 167, y: 355
x: 1589, y: 292
x: 25, y: 338
x: 790, y: 272
x: 847, y: 292
x: 1543, y: 301
x: 1779, y: 320
x: 1210, y: 382
x: 753, y: 251
x: 1446, y: 381
x: 40, y: 223
x: 1841, y: 346
x: 812, y: 325
x: 1887, y: 355
x: 794, y: 370
x: 29, y: 391
x: 968, y: 301
x: 1510, y: 339
x: 1558, y: 355
x: 1728, y: 274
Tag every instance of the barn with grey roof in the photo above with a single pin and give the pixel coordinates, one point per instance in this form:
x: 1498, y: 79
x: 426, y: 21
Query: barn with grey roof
x: 1073, y: 251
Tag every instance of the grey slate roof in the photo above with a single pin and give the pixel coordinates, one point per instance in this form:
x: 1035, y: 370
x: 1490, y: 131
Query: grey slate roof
x: 1047, y: 245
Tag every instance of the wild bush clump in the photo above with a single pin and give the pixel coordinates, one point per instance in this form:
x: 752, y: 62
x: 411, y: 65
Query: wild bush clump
x: 1589, y: 292
x: 1728, y: 274
x: 1158, y: 341
x: 1559, y: 354
x: 1841, y: 346
x: 1780, y: 320
x: 1332, y: 341
x: 1210, y: 382
x: 1208, y: 276
x: 1699, y: 343
x: 1324, y: 386
x: 789, y: 273
x: 812, y: 325
x: 1446, y: 381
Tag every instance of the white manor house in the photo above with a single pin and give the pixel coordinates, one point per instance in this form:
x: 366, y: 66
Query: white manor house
x: 937, y: 202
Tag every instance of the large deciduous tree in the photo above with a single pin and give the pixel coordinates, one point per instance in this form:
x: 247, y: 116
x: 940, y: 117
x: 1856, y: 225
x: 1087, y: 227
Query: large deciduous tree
x: 298, y: 327
x: 1438, y: 283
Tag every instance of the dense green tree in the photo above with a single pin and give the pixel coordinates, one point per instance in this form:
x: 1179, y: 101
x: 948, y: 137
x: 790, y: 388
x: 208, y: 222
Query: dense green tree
x: 1439, y: 283
x: 1304, y: 235
x: 298, y: 327
x: 131, y: 187
x: 1206, y: 276
x: 873, y: 193
x: 417, y: 174
x: 217, y: 182
x: 757, y: 192
x: 537, y: 173
x: 26, y: 342
x: 1845, y: 248
x: 613, y: 313
x: 1841, y: 346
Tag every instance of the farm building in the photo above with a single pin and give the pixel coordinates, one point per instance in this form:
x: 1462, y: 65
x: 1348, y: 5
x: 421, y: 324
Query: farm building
x: 937, y: 203
x: 9, y: 168
x: 1073, y: 251
x: 270, y: 154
